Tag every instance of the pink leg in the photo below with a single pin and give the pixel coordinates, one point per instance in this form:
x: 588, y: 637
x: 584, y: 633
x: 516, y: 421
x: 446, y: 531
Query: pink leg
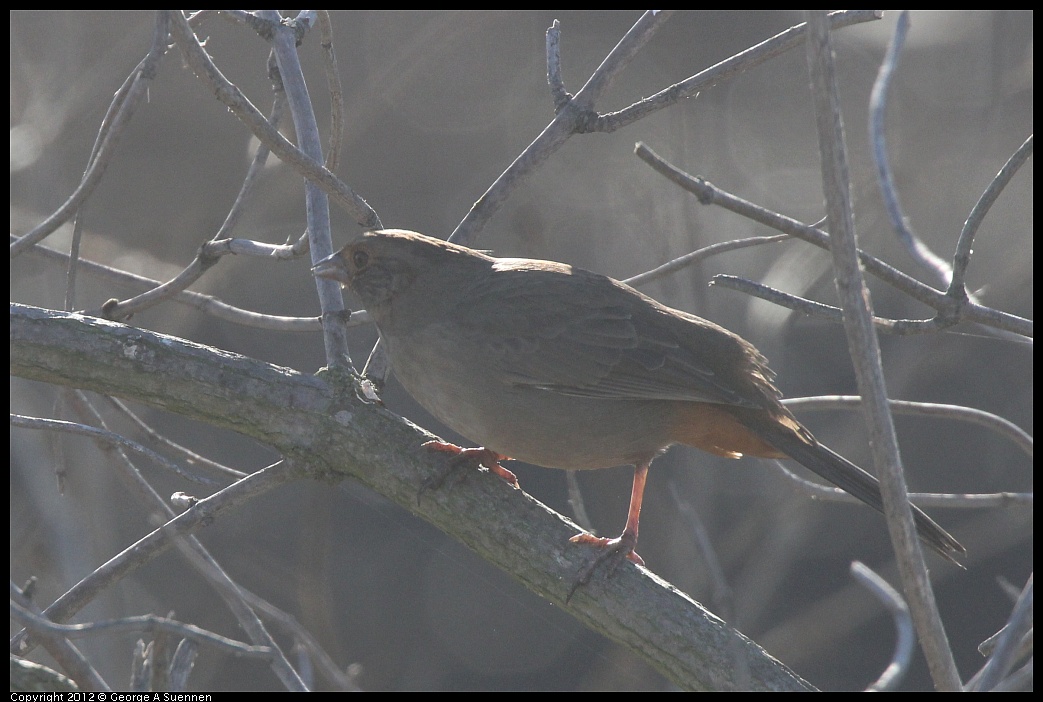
x: 615, y: 549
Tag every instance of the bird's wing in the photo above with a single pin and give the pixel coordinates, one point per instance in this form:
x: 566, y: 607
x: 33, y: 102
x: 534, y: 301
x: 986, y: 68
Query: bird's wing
x: 578, y: 333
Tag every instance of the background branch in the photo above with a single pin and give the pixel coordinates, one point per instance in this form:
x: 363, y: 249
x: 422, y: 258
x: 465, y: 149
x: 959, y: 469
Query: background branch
x: 865, y: 354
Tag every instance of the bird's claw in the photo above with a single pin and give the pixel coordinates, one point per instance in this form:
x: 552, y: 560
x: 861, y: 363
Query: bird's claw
x: 611, y: 552
x: 474, y: 457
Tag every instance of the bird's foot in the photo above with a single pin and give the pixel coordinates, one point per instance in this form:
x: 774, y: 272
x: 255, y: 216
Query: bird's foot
x: 471, y: 457
x: 611, y: 552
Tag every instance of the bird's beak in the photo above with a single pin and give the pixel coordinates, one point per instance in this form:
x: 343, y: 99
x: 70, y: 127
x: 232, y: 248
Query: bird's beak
x: 331, y: 269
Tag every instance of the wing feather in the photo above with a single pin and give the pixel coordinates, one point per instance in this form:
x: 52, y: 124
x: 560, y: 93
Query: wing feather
x: 543, y: 331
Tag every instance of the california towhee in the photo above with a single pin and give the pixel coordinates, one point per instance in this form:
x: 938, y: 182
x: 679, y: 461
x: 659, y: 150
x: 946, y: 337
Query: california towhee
x: 564, y: 368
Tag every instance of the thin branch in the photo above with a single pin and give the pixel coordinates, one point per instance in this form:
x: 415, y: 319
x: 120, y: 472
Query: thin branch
x: 234, y: 597
x: 126, y: 102
x: 320, y: 238
x: 577, y: 114
x: 156, y: 51
x: 146, y: 623
x: 865, y: 354
x: 303, y: 640
x: 250, y: 247
x: 208, y: 304
x: 108, y: 438
x: 830, y: 313
x: 709, y: 194
x: 157, y: 438
x: 1003, y: 427
x: 1027, y: 644
x: 567, y: 121
x: 1005, y: 654
x: 577, y: 506
x: 203, y: 561
x: 559, y: 95
x: 904, y: 645
x: 335, y: 88
x: 932, y: 263
x: 947, y: 500
x: 240, y: 105
x: 620, y: 57
x: 1021, y: 680
x: 117, y: 311
x: 702, y: 254
x: 962, y: 258
x: 722, y: 597
x: 253, y: 172
x: 999, y: 425
x: 209, y: 253
x: 181, y: 664
x: 158, y: 542
x: 729, y: 68
x: 27, y: 675
x: 68, y: 656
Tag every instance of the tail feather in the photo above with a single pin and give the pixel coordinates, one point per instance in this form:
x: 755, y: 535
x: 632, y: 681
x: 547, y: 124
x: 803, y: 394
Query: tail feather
x: 852, y: 479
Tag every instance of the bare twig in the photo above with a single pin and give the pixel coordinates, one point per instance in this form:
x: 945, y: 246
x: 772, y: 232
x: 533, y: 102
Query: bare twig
x: 567, y: 121
x: 155, y: 437
x: 932, y: 263
x: 962, y: 258
x: 1001, y: 426
x: 1005, y: 654
x: 722, y: 596
x: 729, y: 68
x: 233, y: 98
x: 126, y: 102
x: 892, y: 600
x: 709, y: 194
x: 204, y: 562
x: 116, y: 107
x: 220, y: 245
x: 577, y: 114
x: 253, y: 172
x: 820, y: 310
x: 576, y: 502
x: 207, y: 304
x: 991, y: 421
x: 335, y: 88
x: 865, y: 354
x: 72, y: 661
x: 948, y: 500
x: 559, y: 95
x: 115, y: 310
x: 234, y: 597
x: 146, y: 623
x: 108, y: 438
x: 320, y: 239
x: 157, y: 542
x: 700, y: 255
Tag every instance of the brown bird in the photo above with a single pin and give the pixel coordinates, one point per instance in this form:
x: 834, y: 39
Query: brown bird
x: 560, y: 367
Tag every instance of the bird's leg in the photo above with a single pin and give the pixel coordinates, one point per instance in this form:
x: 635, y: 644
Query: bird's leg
x: 476, y: 457
x: 614, y: 550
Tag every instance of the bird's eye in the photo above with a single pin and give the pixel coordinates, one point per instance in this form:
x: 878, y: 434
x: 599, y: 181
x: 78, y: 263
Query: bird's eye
x: 359, y: 259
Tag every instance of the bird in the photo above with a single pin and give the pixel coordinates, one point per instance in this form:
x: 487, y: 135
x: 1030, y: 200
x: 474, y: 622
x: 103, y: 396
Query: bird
x: 561, y: 367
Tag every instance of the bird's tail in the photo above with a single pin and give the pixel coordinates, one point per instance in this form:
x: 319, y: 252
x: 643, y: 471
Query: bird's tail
x: 801, y: 446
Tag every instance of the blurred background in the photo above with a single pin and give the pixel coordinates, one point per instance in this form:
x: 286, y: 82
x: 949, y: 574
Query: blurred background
x: 438, y: 105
